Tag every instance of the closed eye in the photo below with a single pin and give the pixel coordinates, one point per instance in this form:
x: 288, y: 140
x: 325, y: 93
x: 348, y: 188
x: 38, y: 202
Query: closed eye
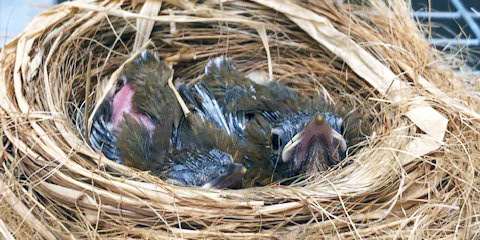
x: 276, y: 139
x: 276, y: 142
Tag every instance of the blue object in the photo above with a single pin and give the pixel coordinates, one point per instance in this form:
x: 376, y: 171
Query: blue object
x: 457, y: 17
x: 15, y: 16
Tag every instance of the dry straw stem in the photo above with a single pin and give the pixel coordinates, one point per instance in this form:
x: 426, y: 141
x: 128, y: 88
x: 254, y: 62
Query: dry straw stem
x: 4, y: 231
x: 414, y: 177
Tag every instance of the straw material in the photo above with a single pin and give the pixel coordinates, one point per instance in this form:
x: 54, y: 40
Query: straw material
x: 415, y: 177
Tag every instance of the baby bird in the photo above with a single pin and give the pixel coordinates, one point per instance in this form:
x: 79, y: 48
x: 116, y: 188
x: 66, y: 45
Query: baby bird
x: 297, y: 143
x: 136, y: 97
x: 285, y: 135
x: 201, y: 166
x: 139, y: 123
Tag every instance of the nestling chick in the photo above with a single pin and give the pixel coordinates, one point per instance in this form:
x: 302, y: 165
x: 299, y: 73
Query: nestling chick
x: 285, y: 133
x: 137, y: 98
x: 202, y: 167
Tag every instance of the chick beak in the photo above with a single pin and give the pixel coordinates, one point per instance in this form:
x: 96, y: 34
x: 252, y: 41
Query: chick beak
x: 233, y: 177
x: 318, y: 127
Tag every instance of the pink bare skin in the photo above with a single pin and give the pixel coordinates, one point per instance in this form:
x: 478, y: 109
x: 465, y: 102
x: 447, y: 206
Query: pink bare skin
x: 316, y: 130
x: 122, y: 104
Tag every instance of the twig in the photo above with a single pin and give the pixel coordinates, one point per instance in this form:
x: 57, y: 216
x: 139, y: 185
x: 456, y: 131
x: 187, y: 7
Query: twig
x: 4, y: 231
x: 87, y: 93
x: 185, y: 109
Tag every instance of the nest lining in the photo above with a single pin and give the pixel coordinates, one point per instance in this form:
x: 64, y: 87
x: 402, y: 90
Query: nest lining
x: 389, y: 189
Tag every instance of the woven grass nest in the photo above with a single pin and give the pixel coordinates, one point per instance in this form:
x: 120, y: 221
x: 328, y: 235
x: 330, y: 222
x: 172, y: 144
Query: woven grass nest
x: 415, y: 177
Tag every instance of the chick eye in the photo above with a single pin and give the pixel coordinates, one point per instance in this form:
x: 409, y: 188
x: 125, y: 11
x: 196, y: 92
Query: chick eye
x: 276, y: 142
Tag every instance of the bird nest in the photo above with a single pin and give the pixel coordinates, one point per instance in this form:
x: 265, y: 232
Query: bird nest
x: 414, y: 176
